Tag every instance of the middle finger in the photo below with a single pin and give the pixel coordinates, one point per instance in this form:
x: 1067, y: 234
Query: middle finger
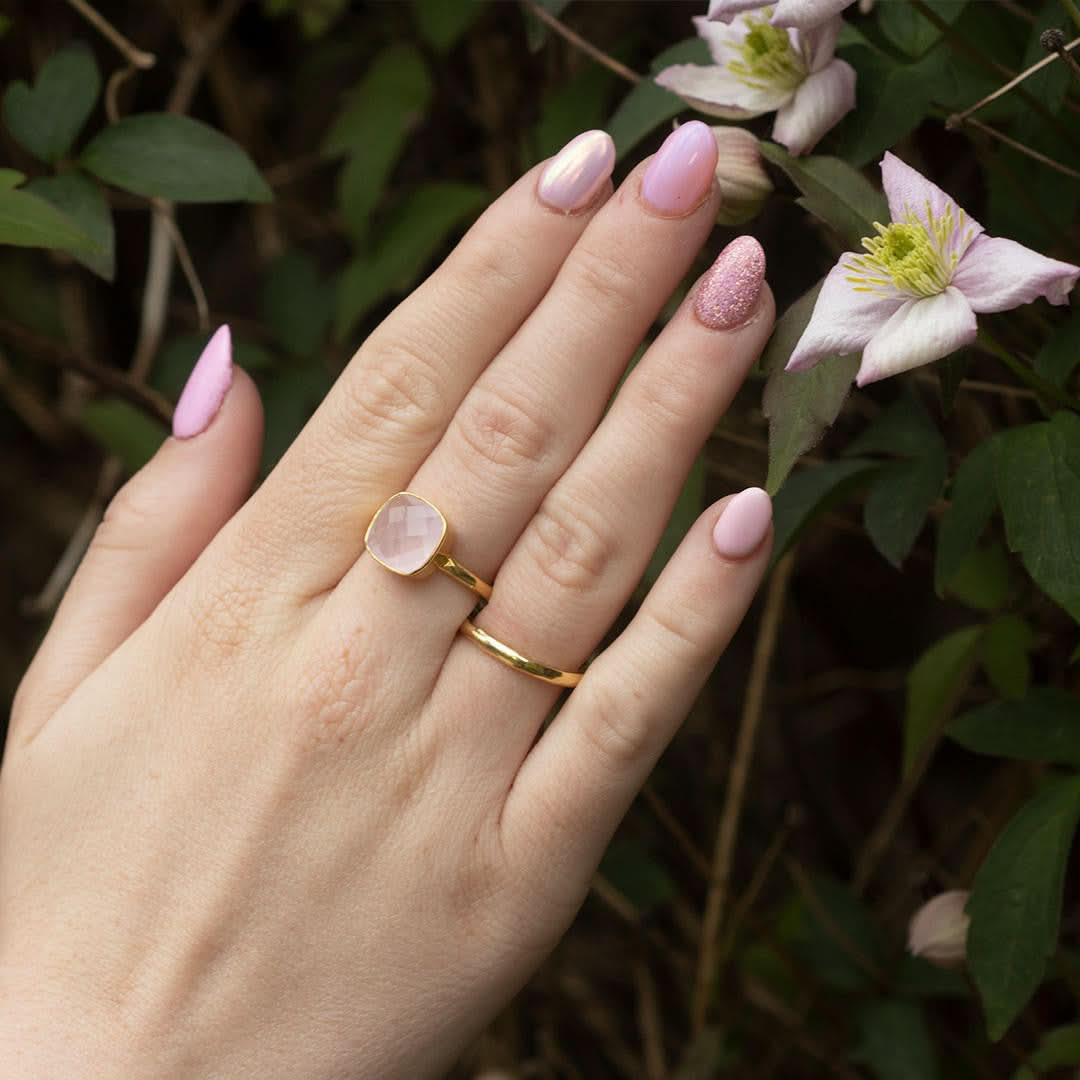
x: 533, y: 408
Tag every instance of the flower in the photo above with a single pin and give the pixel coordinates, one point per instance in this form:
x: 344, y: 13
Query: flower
x: 912, y: 296
x: 760, y: 68
x: 804, y: 14
x: 744, y: 184
x: 938, y: 930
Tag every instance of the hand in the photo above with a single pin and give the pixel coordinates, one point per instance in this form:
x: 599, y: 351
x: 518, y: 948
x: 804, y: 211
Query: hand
x: 263, y: 811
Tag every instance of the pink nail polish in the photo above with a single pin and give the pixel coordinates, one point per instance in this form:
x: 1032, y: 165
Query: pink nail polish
x: 743, y: 524
x: 206, y: 387
x: 679, y: 176
x: 574, y: 176
x: 729, y: 292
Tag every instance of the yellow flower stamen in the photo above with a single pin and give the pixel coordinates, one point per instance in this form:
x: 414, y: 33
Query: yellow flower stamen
x: 768, y: 59
x: 905, y: 255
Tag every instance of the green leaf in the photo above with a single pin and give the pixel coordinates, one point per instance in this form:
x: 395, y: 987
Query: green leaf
x: 916, y: 977
x: 1037, y: 468
x: 174, y: 157
x: 833, y: 192
x: 297, y: 303
x: 1015, y: 904
x: 123, y: 430
x: 911, y: 31
x: 972, y: 501
x: 1005, y: 648
x: 812, y: 491
x: 441, y: 24
x: 1043, y: 726
x: 982, y: 579
x: 374, y: 125
x: 316, y: 16
x: 685, y: 513
x: 1059, y: 1046
x: 29, y: 221
x: 904, y: 429
x: 10, y: 178
x: 47, y: 120
x: 800, y: 405
x: 894, y: 1041
x: 647, y: 106
x: 935, y: 684
x: 419, y: 228
x: 84, y: 203
x: 1058, y: 358
x: 900, y: 498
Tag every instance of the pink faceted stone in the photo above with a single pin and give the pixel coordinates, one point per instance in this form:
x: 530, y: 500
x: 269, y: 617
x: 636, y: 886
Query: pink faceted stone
x: 405, y: 533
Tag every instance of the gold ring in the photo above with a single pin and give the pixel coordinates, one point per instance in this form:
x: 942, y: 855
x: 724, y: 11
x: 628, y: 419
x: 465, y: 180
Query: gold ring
x: 409, y: 536
x: 512, y: 658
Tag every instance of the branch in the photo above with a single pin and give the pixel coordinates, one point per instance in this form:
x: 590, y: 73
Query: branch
x: 753, y: 707
x: 134, y: 55
x: 108, y: 378
x: 581, y: 43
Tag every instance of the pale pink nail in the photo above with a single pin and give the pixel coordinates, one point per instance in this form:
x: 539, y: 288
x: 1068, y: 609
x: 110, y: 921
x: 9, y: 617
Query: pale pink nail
x: 574, y: 176
x: 682, y: 170
x: 729, y: 292
x: 743, y: 524
x: 206, y: 387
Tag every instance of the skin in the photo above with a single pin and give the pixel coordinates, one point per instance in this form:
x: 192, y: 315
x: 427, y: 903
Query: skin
x: 262, y: 811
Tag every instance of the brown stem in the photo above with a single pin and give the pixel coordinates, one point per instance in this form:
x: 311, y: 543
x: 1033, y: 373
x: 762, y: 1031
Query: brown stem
x: 581, y: 43
x: 108, y: 378
x: 724, y: 850
x: 1048, y: 161
x: 134, y: 55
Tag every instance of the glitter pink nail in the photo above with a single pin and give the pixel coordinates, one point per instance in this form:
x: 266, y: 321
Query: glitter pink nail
x: 729, y: 292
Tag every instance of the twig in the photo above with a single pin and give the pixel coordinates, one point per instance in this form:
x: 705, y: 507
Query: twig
x: 112, y: 91
x: 1023, y: 148
x: 108, y: 378
x: 1053, y: 41
x: 649, y: 1023
x: 681, y: 837
x: 724, y: 850
x: 581, y: 43
x: 134, y: 55
x: 959, y: 118
x: 183, y: 256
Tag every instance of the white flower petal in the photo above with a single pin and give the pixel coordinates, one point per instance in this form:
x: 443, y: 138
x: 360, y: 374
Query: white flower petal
x: 725, y: 42
x: 806, y: 14
x: 819, y: 103
x: 726, y: 10
x: 817, y: 45
x: 716, y: 92
x: 920, y: 332
x: 997, y: 274
x: 910, y: 194
x: 844, y: 319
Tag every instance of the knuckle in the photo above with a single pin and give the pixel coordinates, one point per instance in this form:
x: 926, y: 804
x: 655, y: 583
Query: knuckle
x: 501, y: 431
x: 616, y: 724
x: 222, y: 618
x: 670, y: 404
x: 401, y: 391
x: 680, y: 632
x: 605, y: 277
x: 131, y: 514
x: 493, y: 264
x: 570, y: 545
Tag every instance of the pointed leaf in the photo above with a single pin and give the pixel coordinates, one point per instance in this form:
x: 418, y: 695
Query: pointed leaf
x: 1043, y: 726
x: 176, y: 158
x: 29, y: 221
x: 900, y: 499
x: 1015, y: 904
x: 973, y: 498
x: 84, y: 203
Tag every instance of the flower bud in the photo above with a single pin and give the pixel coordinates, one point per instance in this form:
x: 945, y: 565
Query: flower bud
x: 744, y: 183
x: 938, y: 930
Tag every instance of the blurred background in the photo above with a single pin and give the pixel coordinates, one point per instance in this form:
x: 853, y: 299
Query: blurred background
x: 778, y: 817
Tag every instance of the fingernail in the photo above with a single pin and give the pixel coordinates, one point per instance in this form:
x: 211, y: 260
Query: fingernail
x: 682, y: 170
x: 206, y: 387
x: 573, y: 178
x: 743, y: 524
x: 729, y: 291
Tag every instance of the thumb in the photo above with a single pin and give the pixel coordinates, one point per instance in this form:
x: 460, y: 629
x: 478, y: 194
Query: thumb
x: 154, y: 528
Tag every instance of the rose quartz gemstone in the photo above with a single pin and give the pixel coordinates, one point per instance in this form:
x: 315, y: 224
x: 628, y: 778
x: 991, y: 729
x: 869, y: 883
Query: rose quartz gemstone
x: 405, y: 533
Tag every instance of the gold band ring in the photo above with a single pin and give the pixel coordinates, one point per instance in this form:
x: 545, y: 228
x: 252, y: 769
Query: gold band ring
x: 409, y: 536
x: 512, y: 658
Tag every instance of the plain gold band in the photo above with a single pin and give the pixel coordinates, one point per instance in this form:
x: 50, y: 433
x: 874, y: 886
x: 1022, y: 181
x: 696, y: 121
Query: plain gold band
x: 512, y: 658
x: 451, y: 567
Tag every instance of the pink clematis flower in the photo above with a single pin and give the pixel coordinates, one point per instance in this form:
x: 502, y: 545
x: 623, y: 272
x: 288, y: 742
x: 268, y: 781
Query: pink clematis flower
x: 912, y: 296
x: 760, y: 68
x: 803, y: 14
